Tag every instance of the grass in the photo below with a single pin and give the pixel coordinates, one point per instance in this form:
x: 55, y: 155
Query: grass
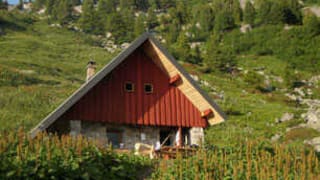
x: 40, y: 66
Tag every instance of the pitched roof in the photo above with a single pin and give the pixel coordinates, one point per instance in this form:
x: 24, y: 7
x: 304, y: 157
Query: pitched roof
x: 70, y: 101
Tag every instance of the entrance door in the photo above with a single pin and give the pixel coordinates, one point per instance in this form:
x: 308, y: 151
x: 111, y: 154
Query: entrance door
x: 164, y: 136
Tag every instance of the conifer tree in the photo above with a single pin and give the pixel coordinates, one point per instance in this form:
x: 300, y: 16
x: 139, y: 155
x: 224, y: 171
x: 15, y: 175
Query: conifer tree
x: 292, y: 11
x: 182, y: 47
x: 223, y: 21
x: 87, y: 20
x: 249, y: 13
x: 152, y: 20
x: 311, y: 24
x: 64, y: 10
x: 276, y: 14
x: 117, y: 27
x: 236, y: 11
x: 3, y: 5
x: 20, y: 5
x: 76, y: 2
x: 217, y: 58
x: 264, y: 10
x: 127, y: 4
x: 139, y: 26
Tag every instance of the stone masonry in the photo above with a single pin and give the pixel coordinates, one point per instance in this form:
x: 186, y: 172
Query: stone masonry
x: 196, y: 136
x: 130, y: 135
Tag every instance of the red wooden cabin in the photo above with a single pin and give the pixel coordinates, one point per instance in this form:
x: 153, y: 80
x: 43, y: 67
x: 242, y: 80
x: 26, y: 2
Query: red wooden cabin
x: 142, y: 96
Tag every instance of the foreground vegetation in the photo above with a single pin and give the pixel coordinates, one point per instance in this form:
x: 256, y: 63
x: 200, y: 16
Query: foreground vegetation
x: 250, y: 160
x: 51, y: 157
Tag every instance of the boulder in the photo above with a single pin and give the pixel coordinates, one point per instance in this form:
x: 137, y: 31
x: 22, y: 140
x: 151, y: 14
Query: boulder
x: 245, y: 28
x: 285, y: 117
x: 275, y: 138
x: 315, y: 142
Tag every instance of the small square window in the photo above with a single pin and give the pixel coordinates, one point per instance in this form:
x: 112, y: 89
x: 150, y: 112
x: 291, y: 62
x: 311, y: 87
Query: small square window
x: 129, y: 87
x: 148, y: 88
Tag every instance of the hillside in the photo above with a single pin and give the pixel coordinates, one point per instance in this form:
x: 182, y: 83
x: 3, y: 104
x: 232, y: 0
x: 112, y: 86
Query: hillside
x: 43, y: 64
x: 262, y: 69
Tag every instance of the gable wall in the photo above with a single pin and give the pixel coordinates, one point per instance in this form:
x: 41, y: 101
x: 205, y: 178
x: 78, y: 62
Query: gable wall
x: 185, y: 87
x: 108, y: 101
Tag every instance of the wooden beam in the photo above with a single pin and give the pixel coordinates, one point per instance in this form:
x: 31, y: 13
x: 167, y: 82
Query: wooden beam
x: 175, y: 79
x: 206, y: 113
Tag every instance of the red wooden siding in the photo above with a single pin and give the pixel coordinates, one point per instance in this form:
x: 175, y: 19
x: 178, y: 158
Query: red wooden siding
x: 109, y: 102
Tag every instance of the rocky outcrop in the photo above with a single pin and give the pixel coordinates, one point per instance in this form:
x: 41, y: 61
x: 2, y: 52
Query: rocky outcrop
x: 312, y: 116
x: 315, y: 142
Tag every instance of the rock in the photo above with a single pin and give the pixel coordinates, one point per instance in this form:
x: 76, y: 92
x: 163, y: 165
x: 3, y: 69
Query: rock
x: 108, y: 34
x: 315, y: 79
x: 25, y: 71
x: 125, y: 45
x: 42, y: 11
x: 194, y: 77
x: 195, y: 44
x: 315, y: 142
x: 245, y: 28
x: 309, y: 92
x: 285, y: 117
x: 299, y: 91
x: 312, y: 116
x: 205, y: 83
x: 78, y: 9
x: 287, y: 27
x: 275, y: 138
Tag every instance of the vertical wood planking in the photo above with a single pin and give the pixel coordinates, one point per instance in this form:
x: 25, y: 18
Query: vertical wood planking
x: 108, y: 101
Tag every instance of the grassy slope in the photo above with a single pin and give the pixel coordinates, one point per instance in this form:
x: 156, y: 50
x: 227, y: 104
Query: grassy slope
x: 41, y: 66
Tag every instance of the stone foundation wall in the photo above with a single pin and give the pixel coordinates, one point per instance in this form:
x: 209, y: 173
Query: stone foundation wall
x: 196, y: 136
x: 130, y: 135
x: 145, y: 135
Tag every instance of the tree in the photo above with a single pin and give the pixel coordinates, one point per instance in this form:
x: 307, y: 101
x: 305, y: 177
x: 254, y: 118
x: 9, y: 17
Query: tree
x: 117, y: 27
x: 223, y: 21
x: 218, y: 58
x: 311, y: 24
x: 3, y: 5
x: 106, y: 7
x: 65, y: 11
x: 276, y: 14
x: 75, y: 2
x: 20, y: 5
x: 236, y: 11
x: 182, y: 48
x: 203, y: 20
x: 38, y: 4
x: 152, y: 20
x: 127, y: 4
x: 139, y: 26
x: 88, y: 19
x: 249, y: 13
x: 264, y: 10
x: 292, y: 11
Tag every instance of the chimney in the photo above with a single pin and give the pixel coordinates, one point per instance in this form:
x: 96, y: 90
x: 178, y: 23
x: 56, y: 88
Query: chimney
x: 91, y: 68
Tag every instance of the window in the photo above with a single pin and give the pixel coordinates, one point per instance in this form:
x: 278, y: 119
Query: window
x: 148, y: 88
x: 129, y: 86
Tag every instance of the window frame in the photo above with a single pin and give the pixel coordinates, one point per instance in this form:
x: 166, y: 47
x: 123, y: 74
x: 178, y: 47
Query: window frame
x: 144, y: 88
x: 125, y: 86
